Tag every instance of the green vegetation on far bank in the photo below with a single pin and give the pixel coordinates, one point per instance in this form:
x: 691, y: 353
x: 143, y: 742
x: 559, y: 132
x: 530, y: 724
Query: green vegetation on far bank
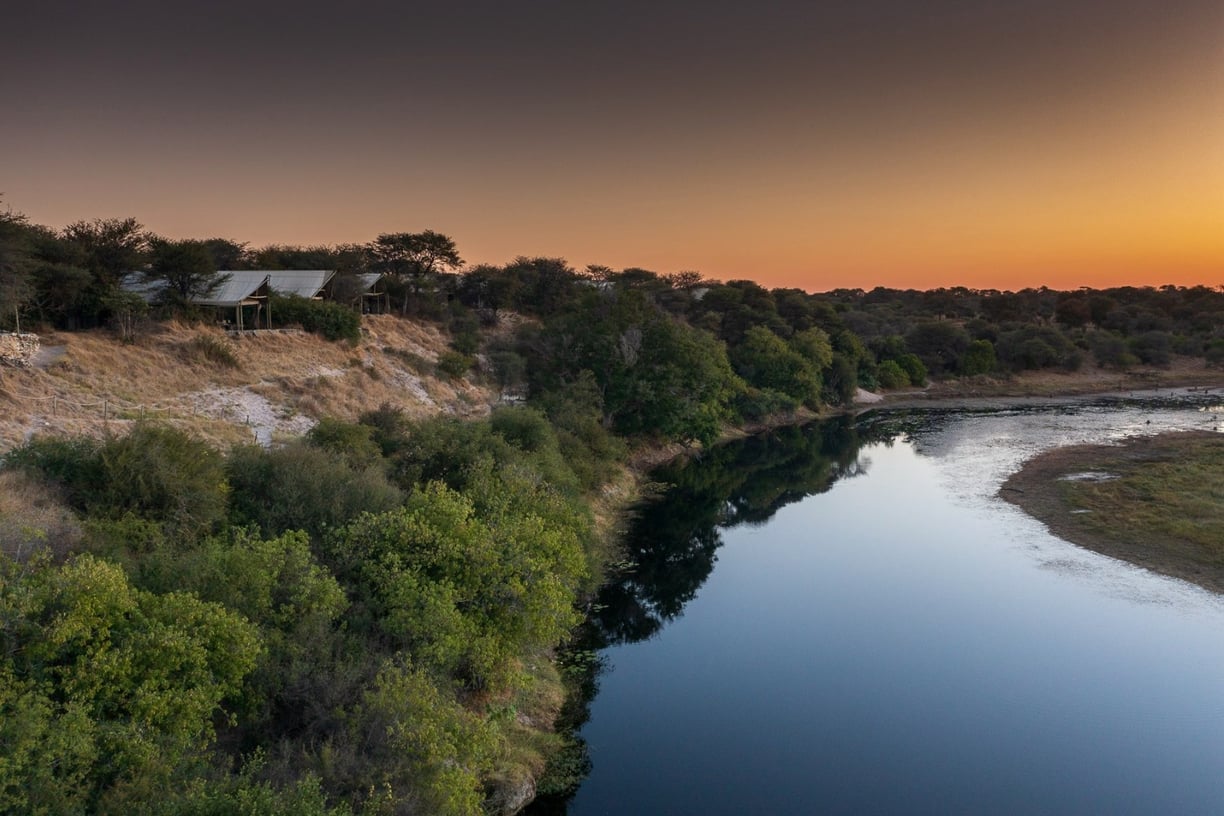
x: 1157, y: 502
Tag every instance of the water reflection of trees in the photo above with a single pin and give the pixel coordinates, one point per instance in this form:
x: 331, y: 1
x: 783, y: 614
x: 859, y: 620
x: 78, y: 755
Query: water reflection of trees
x: 673, y: 542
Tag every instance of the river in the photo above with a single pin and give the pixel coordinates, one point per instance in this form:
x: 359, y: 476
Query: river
x: 844, y: 618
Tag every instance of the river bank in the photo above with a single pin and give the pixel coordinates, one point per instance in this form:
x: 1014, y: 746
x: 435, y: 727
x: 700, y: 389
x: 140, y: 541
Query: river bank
x: 1156, y: 502
x: 1057, y: 388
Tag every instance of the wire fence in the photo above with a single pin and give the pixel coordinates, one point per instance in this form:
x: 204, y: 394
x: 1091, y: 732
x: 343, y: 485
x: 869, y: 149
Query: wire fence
x: 107, y: 408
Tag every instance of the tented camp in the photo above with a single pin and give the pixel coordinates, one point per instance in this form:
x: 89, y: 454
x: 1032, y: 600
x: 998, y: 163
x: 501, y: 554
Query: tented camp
x: 241, y: 290
x: 312, y: 284
x: 374, y: 297
x: 364, y: 291
x: 245, y: 292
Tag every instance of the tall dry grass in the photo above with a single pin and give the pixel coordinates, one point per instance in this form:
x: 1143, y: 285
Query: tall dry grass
x: 172, y: 372
x: 33, y: 517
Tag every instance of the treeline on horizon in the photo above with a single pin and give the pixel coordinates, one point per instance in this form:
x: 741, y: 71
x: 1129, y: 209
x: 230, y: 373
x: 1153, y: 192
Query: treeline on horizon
x: 365, y: 620
x: 754, y: 351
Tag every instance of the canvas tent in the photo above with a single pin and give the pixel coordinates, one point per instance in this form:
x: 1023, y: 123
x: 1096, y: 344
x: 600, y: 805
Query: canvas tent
x: 238, y: 289
x: 307, y: 283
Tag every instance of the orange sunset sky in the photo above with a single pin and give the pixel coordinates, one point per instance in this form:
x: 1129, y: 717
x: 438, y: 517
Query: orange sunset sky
x: 817, y: 145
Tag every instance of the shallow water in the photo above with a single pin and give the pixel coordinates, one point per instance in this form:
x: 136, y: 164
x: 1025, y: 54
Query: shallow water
x: 864, y: 627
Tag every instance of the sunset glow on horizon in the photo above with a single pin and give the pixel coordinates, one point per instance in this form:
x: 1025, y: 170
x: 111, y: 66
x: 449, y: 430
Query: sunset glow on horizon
x: 988, y: 145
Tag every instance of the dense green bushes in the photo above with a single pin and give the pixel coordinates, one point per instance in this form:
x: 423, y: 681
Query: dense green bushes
x: 154, y: 472
x: 325, y: 317
x: 347, y: 617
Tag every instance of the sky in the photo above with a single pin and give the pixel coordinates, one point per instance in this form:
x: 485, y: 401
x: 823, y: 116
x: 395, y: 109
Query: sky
x: 819, y: 145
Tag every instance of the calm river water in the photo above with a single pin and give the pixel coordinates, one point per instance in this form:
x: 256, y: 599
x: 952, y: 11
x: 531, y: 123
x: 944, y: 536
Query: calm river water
x: 844, y: 618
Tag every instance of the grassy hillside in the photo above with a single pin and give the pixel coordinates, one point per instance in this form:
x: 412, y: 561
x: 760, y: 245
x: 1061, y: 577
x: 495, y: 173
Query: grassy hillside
x: 228, y: 389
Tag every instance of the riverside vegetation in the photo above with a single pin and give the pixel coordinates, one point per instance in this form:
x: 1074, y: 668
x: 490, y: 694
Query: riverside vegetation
x: 364, y: 619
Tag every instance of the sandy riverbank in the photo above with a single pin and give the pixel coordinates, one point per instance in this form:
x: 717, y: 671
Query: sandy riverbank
x: 1157, y: 502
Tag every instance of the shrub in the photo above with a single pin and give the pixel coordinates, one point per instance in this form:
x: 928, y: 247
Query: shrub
x: 71, y: 463
x: 891, y: 375
x: 163, y: 474
x: 209, y: 348
x: 525, y: 428
x: 1111, y: 350
x: 914, y: 369
x: 1153, y: 347
x: 1214, y: 352
x: 324, y: 317
x: 155, y: 472
x: 509, y: 369
x: 301, y: 487
x: 353, y: 442
x: 758, y: 403
x: 979, y: 358
x: 454, y: 364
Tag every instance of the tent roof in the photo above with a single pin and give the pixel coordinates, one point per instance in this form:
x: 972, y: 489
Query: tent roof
x: 307, y: 283
x: 237, y: 286
x: 135, y: 282
x: 368, y: 279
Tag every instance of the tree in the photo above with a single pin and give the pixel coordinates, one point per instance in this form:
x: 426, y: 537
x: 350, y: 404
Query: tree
x: 488, y: 289
x: 59, y: 277
x: 979, y: 358
x: 227, y: 254
x: 16, y: 286
x: 939, y: 344
x: 765, y: 360
x: 412, y: 259
x: 112, y: 247
x: 186, y: 268
x: 542, y: 286
x: 656, y: 375
x: 106, y: 691
x: 278, y: 256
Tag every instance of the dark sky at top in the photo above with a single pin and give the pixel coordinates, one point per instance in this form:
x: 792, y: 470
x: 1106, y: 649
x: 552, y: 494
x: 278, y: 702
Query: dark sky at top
x: 809, y: 143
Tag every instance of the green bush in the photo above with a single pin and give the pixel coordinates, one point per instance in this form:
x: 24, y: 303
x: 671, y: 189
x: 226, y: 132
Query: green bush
x: 1214, y: 352
x: 325, y: 317
x: 979, y: 358
x: 914, y: 369
x: 525, y: 428
x: 454, y: 364
x: 1110, y: 350
x: 755, y: 404
x: 163, y: 474
x: 70, y: 463
x: 588, y: 447
x: 890, y: 375
x: 351, y: 441
x: 301, y: 487
x: 1153, y: 347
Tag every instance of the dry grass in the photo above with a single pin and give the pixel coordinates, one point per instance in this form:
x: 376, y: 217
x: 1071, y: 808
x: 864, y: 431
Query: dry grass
x: 282, y: 382
x: 32, y: 517
x: 1160, y: 504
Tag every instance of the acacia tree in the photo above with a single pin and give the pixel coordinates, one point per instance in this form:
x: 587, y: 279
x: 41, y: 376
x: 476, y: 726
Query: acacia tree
x: 107, y: 248
x: 185, y: 267
x: 412, y: 260
x: 111, y: 247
